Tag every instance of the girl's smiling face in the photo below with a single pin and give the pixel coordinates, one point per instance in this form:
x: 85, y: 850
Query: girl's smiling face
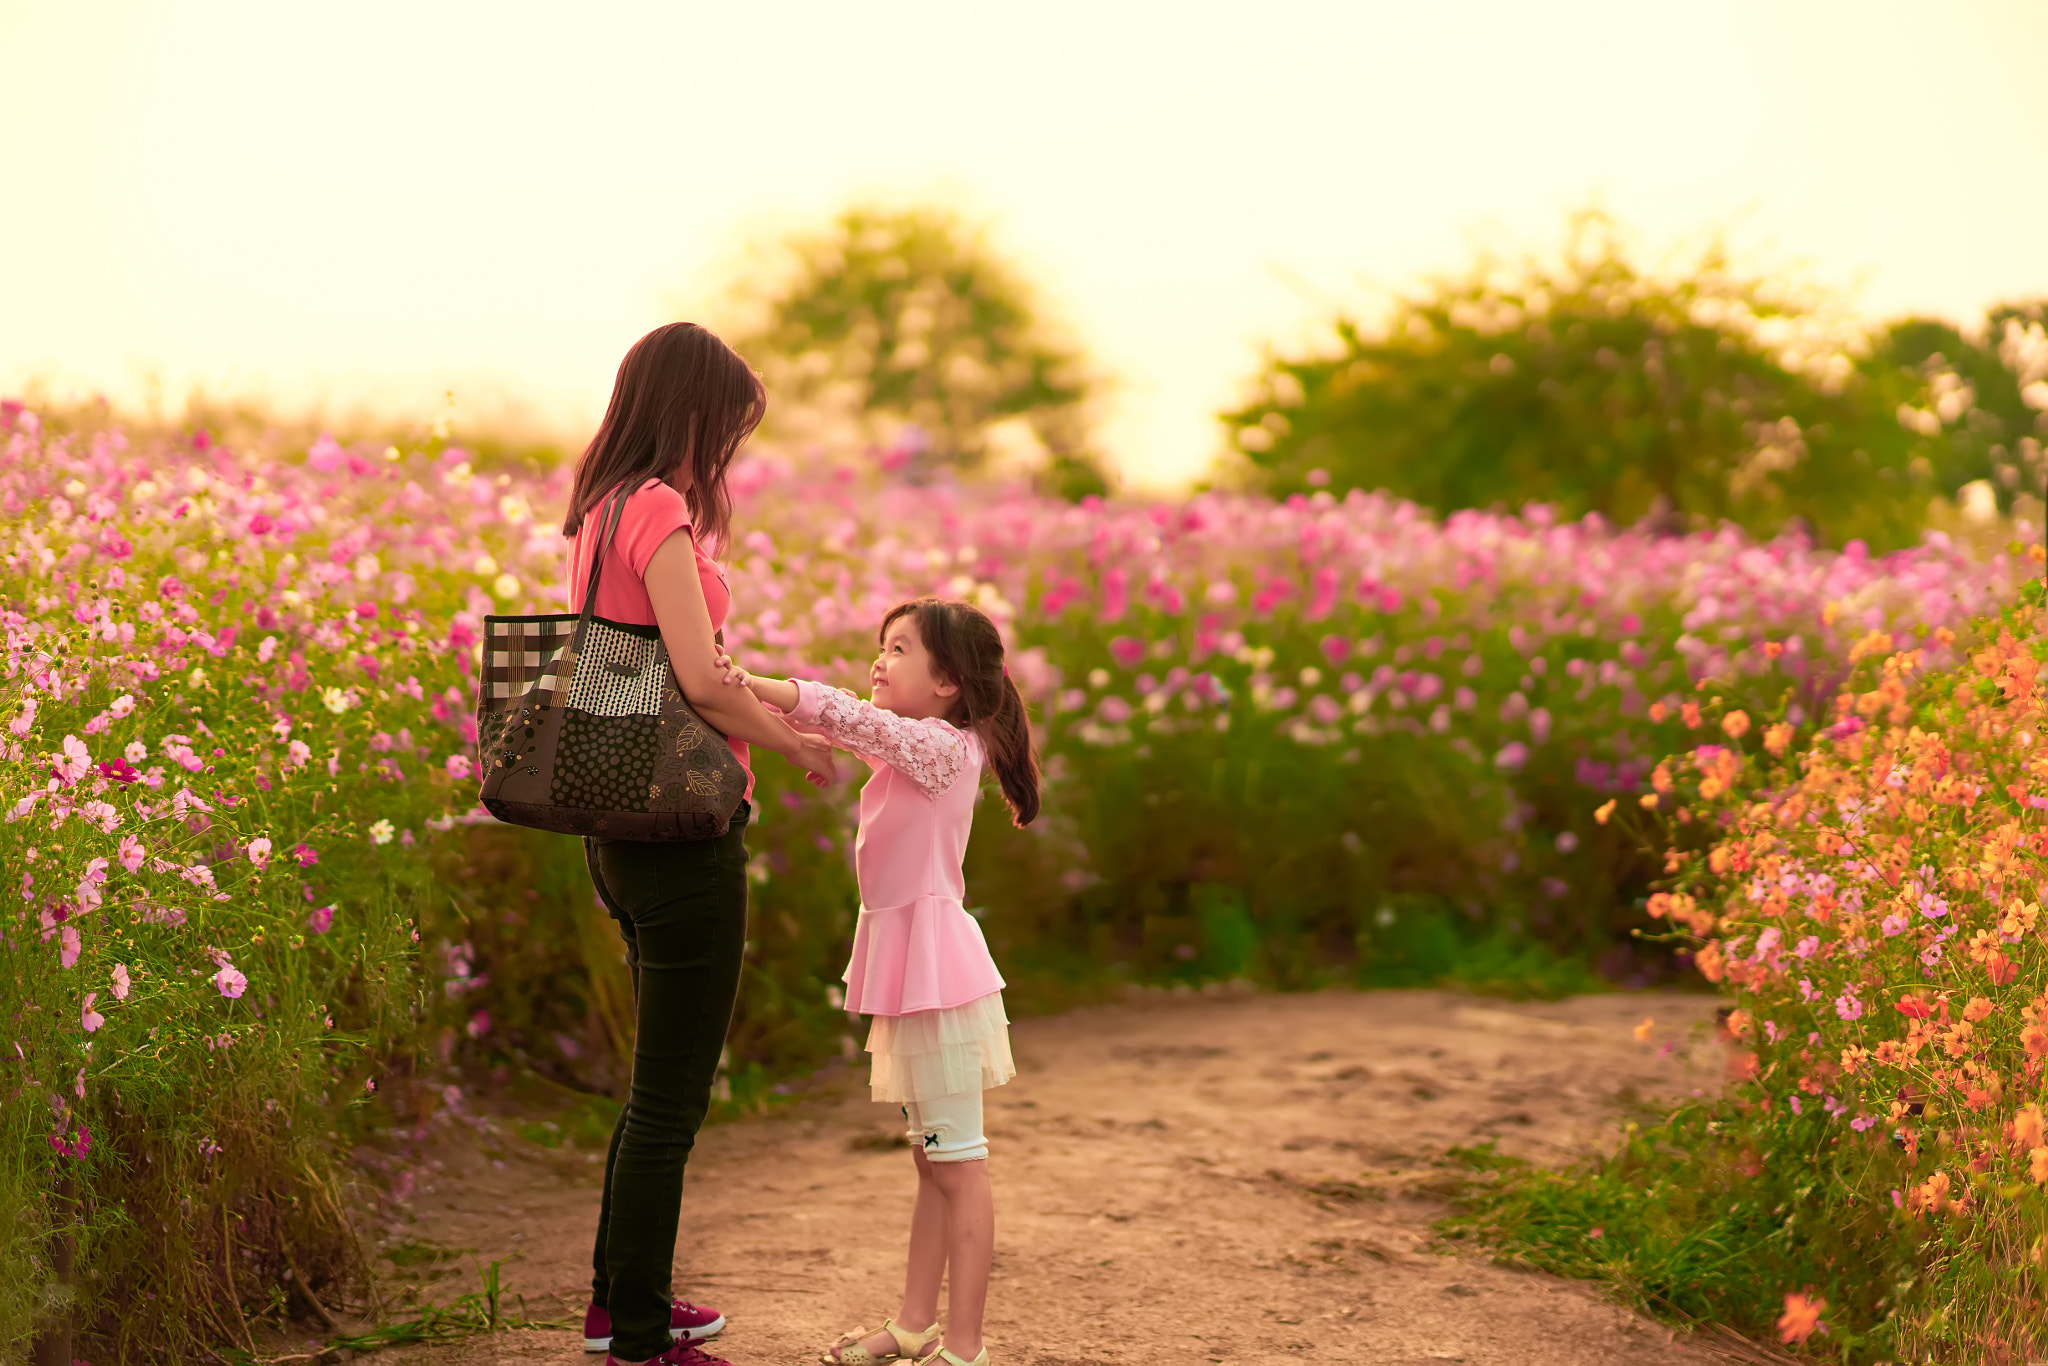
x: 902, y: 679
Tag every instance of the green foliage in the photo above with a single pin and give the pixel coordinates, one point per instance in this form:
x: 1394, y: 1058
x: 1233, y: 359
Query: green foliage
x: 1689, y: 1219
x: 1596, y: 387
x: 910, y: 316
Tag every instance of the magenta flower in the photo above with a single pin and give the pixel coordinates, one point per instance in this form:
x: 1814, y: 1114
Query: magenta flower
x: 78, y: 1147
x: 320, y: 919
x: 305, y: 854
x: 459, y: 767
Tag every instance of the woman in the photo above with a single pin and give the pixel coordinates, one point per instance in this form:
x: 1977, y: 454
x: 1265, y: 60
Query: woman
x: 682, y: 405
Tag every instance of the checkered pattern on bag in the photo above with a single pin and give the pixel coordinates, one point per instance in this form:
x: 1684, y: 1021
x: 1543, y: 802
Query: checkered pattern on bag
x: 520, y: 658
x: 618, y: 674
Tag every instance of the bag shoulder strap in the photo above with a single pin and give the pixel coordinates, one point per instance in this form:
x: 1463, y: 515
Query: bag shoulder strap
x: 614, y: 512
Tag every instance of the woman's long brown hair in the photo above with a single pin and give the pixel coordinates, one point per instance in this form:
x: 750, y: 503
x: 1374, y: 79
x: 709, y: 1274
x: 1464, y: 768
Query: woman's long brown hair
x: 683, y: 398
x: 967, y: 651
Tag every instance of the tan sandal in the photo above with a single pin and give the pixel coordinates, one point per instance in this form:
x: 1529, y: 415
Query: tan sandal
x: 941, y: 1357
x: 909, y: 1346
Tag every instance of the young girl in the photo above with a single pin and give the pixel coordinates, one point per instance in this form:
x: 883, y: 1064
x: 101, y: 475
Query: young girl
x: 943, y: 707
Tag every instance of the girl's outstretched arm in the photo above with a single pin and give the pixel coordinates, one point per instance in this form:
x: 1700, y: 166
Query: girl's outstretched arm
x: 930, y: 752
x: 778, y: 693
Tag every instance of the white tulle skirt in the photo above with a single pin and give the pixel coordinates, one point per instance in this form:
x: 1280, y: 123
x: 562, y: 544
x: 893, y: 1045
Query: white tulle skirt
x: 931, y: 1053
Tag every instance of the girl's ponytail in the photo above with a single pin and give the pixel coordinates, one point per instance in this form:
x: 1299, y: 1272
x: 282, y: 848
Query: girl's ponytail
x: 1007, y: 737
x: 966, y: 648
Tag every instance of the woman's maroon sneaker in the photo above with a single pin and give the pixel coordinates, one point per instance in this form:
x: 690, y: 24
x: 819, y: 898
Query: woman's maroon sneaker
x: 686, y: 1322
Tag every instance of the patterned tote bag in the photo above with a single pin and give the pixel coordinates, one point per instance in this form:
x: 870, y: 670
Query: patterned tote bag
x: 582, y: 730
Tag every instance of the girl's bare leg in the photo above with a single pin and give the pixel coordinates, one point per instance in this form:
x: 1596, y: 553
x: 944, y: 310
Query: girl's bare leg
x: 970, y: 1247
x: 929, y: 1239
x: 926, y: 1265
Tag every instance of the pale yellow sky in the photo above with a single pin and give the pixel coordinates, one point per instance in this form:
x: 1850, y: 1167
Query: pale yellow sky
x: 383, y: 200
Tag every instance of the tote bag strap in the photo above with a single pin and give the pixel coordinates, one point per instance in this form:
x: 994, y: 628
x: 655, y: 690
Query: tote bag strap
x: 615, y: 511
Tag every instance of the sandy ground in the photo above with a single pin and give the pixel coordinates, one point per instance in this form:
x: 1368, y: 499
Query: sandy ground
x: 1242, y: 1180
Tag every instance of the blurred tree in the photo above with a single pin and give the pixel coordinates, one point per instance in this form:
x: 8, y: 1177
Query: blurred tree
x: 907, y: 315
x: 1596, y: 388
x: 1971, y: 410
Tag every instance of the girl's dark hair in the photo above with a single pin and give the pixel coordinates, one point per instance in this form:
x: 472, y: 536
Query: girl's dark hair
x: 967, y: 651
x: 683, y: 398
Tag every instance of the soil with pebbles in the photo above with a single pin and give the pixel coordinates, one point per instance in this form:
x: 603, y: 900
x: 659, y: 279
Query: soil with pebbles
x: 1242, y: 1179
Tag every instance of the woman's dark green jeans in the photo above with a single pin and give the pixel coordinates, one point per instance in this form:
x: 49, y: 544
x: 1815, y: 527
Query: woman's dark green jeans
x: 682, y: 908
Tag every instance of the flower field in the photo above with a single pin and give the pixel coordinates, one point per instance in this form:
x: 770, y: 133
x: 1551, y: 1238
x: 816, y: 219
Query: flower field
x: 1868, y: 891
x: 1302, y: 742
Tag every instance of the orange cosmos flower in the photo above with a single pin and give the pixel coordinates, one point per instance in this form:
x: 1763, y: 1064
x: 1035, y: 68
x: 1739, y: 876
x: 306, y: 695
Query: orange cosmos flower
x: 1801, y: 1317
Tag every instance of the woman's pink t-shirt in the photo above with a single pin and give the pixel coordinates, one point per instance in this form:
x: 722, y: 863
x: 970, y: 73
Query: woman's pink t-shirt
x: 654, y: 512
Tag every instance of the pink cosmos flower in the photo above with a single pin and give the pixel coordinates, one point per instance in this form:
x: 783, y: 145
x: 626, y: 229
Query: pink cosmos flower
x: 305, y: 854
x: 259, y: 852
x: 131, y: 852
x: 89, y: 885
x: 230, y: 982
x: 120, y: 981
x: 71, y: 765
x: 326, y: 455
x: 21, y: 724
x: 479, y: 1024
x: 320, y: 920
x: 459, y: 766
x: 69, y: 947
x: 88, y: 1018
x: 297, y: 754
x: 121, y: 707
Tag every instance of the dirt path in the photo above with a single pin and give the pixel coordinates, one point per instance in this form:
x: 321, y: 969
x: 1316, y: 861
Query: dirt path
x: 1238, y: 1180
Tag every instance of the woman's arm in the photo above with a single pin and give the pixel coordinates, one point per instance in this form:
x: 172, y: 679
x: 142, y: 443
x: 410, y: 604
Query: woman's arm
x: 685, y: 621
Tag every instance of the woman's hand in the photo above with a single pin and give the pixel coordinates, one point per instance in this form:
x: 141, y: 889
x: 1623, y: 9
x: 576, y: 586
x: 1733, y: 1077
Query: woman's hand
x: 815, y: 757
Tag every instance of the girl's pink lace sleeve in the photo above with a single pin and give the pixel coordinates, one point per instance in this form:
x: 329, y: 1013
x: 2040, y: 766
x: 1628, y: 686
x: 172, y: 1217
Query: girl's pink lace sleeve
x: 930, y: 752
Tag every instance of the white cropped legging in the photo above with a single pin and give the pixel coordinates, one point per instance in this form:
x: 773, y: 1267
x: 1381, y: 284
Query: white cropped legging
x: 947, y: 1128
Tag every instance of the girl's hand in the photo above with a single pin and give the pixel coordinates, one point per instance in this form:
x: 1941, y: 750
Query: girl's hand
x: 733, y: 673
x: 815, y: 757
